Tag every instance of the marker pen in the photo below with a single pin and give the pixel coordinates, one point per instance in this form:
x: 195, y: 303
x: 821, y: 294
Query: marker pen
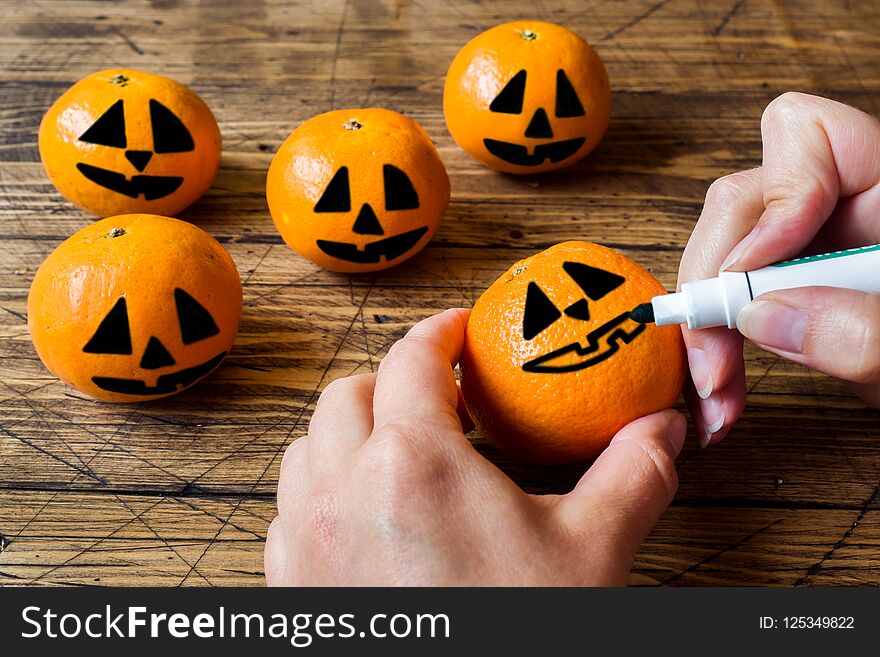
x: 718, y: 301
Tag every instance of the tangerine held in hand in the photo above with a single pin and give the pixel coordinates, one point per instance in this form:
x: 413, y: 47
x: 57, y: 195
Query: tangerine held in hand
x: 553, y: 365
x: 122, y: 141
x: 135, y: 307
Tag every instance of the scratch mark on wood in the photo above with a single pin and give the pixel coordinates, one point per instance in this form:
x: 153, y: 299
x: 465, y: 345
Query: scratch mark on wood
x: 81, y: 470
x: 257, y: 266
x: 715, y: 555
x: 160, y: 538
x: 131, y: 44
x: 764, y: 375
x: 635, y: 21
x: 96, y: 543
x: 219, y: 519
x: 11, y: 576
x: 816, y: 567
x: 339, y: 33
x: 730, y: 14
x: 244, y: 572
x: 15, y: 314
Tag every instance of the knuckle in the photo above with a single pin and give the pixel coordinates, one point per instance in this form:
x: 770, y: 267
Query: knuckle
x: 726, y: 191
x: 784, y: 107
x: 656, y: 468
x: 348, y: 385
x: 861, y: 331
x: 407, y: 348
x: 391, y: 449
x: 787, y: 194
x: 337, y: 388
x: 399, y: 463
x: 290, y: 452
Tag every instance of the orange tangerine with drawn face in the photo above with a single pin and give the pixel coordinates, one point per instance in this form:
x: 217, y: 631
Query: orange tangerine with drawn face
x: 357, y: 190
x: 526, y: 97
x: 123, y: 141
x: 135, y: 307
x: 553, y: 365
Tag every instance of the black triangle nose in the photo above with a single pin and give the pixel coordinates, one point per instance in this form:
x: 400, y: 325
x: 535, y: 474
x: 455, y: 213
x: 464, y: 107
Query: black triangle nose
x: 156, y: 355
x: 139, y: 159
x: 367, y: 223
x: 539, y: 126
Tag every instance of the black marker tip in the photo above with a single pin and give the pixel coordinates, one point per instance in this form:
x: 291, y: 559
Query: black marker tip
x: 643, y: 313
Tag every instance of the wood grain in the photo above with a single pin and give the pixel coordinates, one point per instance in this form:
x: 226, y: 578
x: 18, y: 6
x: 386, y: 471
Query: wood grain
x: 180, y: 491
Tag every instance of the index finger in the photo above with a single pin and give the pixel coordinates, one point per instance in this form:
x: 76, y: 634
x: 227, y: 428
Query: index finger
x: 416, y: 381
x: 733, y: 205
x: 816, y: 151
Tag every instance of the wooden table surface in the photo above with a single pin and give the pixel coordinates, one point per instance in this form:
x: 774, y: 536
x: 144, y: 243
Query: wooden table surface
x: 180, y: 491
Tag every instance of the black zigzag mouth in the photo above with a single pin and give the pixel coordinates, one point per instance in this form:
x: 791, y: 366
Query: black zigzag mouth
x: 565, y: 359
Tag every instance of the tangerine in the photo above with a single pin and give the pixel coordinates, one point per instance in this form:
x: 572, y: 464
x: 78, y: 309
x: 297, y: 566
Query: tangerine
x: 135, y: 307
x: 123, y: 141
x: 357, y: 190
x: 526, y: 97
x: 553, y: 365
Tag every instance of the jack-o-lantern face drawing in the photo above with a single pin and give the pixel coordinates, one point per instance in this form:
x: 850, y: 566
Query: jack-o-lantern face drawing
x: 169, y: 136
x: 553, y: 365
x: 357, y: 190
x: 135, y: 307
x: 113, y: 336
x: 601, y: 343
x: 399, y: 195
x: 127, y: 141
x: 526, y: 97
x: 510, y: 101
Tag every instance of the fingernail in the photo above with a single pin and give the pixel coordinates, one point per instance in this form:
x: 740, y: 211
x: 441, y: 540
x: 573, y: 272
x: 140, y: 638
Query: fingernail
x: 712, y: 410
x: 739, y: 250
x: 701, y: 375
x: 675, y: 433
x: 773, y: 324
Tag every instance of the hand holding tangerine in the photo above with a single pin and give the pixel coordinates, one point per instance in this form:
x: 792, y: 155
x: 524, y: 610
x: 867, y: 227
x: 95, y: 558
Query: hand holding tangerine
x: 553, y: 366
x: 388, y: 450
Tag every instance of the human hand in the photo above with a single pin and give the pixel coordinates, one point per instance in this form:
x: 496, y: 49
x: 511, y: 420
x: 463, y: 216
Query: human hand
x: 818, y: 190
x: 387, y: 490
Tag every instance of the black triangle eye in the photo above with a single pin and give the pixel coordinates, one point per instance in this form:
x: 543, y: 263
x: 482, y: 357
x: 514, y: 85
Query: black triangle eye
x: 109, y: 129
x: 113, y: 335
x: 337, y: 196
x: 595, y: 283
x: 568, y: 105
x: 399, y: 191
x: 195, y: 322
x: 510, y: 100
x: 169, y: 133
x: 539, y: 313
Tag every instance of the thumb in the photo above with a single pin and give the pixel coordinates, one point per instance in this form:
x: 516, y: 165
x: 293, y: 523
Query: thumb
x: 833, y: 330
x: 624, y: 493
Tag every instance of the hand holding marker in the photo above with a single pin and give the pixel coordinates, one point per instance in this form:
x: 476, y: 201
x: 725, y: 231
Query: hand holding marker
x: 719, y: 301
x: 817, y: 191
